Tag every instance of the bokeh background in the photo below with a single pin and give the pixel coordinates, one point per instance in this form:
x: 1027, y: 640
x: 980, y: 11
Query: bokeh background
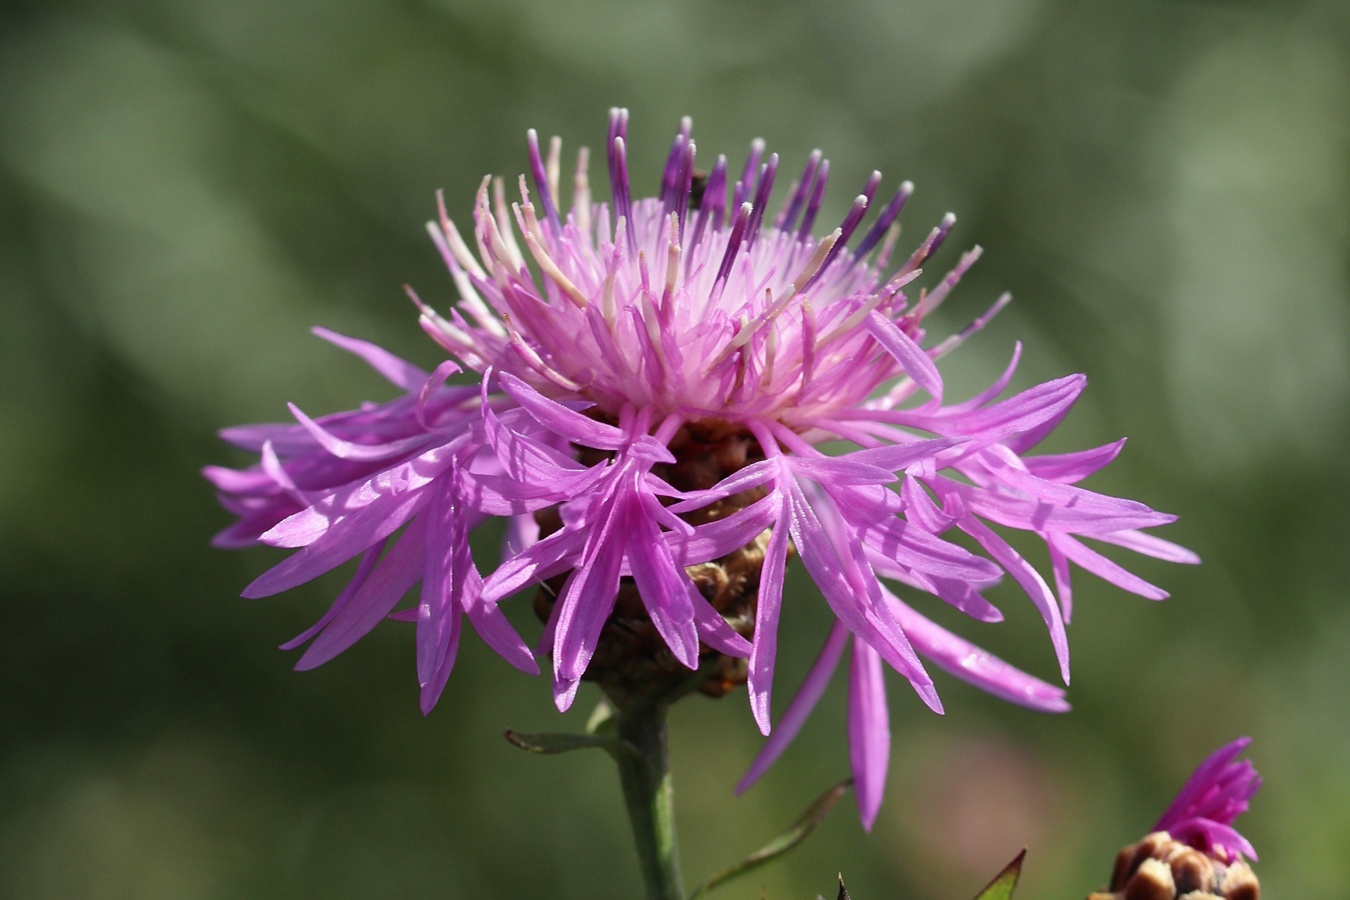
x: 188, y: 185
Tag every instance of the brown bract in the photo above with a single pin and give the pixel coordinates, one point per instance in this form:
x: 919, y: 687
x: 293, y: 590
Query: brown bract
x: 1160, y: 868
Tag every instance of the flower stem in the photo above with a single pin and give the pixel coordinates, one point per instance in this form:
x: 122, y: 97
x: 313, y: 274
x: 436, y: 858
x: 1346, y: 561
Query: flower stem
x: 647, y: 794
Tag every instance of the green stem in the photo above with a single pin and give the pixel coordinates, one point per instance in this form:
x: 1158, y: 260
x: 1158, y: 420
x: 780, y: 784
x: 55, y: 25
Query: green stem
x: 647, y: 794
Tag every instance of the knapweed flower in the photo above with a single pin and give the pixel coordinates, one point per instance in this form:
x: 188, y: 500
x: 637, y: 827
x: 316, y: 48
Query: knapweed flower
x: 1194, y: 850
x: 654, y: 382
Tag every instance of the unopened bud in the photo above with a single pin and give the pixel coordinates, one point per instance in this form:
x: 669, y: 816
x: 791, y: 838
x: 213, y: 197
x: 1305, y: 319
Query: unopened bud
x: 1160, y: 868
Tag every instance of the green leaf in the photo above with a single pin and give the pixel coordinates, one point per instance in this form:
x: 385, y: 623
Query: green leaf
x: 802, y: 826
x: 1001, y: 888
x: 552, y: 743
x: 603, y: 721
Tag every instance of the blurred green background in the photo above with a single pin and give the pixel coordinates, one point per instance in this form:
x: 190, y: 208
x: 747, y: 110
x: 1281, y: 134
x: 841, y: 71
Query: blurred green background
x: 188, y: 185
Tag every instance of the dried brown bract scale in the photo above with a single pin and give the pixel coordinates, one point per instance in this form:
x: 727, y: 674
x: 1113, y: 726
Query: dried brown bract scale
x: 1160, y: 868
x: 632, y: 660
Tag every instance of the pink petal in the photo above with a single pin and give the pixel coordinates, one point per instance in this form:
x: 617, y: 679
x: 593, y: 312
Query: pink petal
x: 800, y: 707
x: 1031, y: 582
x: 533, y: 463
x: 398, y: 371
x: 1072, y: 467
x: 1149, y: 545
x: 714, y: 631
x: 1104, y: 568
x: 431, y: 687
x: 350, y: 535
x: 970, y: 663
x: 399, y: 570
x: 363, y: 570
x: 917, y: 364
x: 770, y: 601
x: 498, y: 633
x: 440, y: 606
x: 587, y: 600
x: 560, y: 419
x: 721, y: 536
x: 847, y: 590
x: 665, y: 590
x: 353, y: 451
x: 535, y: 564
x: 869, y: 731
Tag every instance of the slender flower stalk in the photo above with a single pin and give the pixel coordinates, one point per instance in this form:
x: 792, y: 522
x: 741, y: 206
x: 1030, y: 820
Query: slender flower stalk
x: 652, y: 383
x: 645, y: 778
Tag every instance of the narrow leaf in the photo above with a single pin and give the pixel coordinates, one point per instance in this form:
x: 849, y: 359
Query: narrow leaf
x: 603, y: 721
x: 1001, y: 888
x: 791, y: 837
x: 550, y: 744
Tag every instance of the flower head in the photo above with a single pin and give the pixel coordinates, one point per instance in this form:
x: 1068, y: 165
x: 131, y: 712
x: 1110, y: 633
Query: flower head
x: 654, y: 380
x: 1194, y: 851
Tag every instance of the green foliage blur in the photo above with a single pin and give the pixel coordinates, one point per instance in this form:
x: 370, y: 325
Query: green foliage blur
x: 186, y: 186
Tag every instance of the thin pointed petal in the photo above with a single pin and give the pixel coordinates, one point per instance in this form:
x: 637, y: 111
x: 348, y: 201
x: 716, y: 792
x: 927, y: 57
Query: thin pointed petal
x: 869, y: 731
x: 808, y: 695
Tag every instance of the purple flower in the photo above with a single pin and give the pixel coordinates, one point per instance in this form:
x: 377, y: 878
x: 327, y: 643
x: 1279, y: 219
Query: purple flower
x: 1194, y: 851
x: 1202, y: 815
x: 619, y: 347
